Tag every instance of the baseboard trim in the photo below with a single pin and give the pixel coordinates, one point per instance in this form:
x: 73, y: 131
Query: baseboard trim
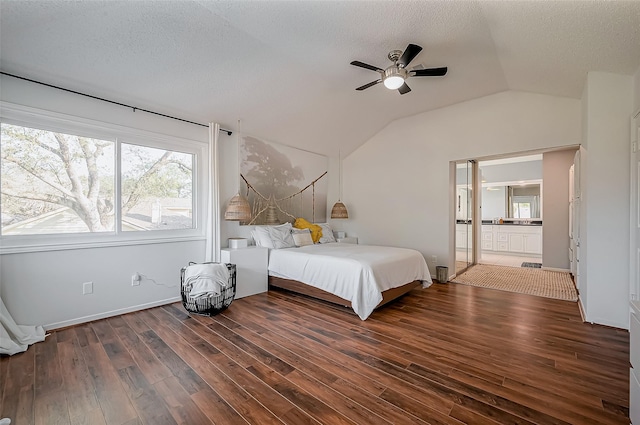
x: 555, y: 269
x: 582, y: 315
x: 104, y: 315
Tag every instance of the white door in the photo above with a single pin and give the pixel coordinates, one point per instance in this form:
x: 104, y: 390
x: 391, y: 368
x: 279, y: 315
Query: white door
x: 634, y: 275
x: 575, y: 225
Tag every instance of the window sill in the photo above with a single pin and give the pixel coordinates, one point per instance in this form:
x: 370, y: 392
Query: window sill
x: 62, y: 246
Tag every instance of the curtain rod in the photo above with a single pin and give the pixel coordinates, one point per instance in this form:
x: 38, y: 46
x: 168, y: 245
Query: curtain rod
x: 135, y: 108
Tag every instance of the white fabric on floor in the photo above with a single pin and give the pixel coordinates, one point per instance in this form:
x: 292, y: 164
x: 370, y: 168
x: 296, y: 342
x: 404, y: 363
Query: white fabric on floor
x: 16, y: 338
x: 206, y: 280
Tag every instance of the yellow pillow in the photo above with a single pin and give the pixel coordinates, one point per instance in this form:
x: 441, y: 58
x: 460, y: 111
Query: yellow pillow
x: 316, y: 231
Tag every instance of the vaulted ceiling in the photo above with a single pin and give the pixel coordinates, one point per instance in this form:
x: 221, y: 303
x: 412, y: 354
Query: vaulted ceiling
x: 282, y: 67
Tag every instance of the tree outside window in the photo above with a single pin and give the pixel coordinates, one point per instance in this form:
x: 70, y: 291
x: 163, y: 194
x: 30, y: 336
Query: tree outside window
x: 54, y: 182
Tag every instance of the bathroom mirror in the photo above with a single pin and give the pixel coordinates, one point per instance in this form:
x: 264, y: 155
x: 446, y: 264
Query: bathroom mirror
x: 523, y: 201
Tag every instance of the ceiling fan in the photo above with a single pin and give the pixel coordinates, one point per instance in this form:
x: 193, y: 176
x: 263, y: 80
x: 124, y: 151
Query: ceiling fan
x: 395, y: 75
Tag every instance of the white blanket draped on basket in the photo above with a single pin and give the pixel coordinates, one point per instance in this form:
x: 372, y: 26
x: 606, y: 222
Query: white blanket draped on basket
x: 358, y: 273
x: 206, y: 280
x: 16, y: 338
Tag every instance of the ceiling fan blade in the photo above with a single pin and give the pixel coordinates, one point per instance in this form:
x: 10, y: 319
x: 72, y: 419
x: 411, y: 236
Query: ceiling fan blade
x: 404, y: 89
x: 366, y: 86
x: 430, y: 72
x: 410, y: 52
x: 366, y: 66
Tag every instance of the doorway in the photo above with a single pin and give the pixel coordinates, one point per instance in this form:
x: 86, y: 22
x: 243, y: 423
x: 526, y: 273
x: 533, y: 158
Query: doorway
x: 510, y: 197
x: 499, y: 220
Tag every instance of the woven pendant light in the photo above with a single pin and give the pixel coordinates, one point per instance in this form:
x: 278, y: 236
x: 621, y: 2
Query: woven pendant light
x: 238, y: 208
x: 339, y: 209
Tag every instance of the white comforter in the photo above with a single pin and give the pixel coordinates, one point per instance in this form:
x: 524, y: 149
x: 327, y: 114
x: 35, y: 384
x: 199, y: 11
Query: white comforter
x: 358, y: 273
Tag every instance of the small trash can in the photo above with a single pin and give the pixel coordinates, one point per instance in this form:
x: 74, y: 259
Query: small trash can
x: 442, y: 274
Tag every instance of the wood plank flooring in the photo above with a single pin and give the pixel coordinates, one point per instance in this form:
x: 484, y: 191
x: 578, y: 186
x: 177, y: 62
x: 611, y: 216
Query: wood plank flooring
x: 449, y: 354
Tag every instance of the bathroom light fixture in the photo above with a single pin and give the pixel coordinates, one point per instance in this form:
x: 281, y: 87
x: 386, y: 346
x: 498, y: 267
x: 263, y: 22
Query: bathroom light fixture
x: 339, y: 210
x: 238, y: 208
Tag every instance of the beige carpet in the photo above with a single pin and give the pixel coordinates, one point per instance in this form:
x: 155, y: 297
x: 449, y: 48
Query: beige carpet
x: 525, y: 280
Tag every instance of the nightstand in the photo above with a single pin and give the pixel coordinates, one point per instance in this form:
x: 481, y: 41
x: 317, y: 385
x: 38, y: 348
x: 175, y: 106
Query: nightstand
x: 351, y: 239
x: 251, y: 268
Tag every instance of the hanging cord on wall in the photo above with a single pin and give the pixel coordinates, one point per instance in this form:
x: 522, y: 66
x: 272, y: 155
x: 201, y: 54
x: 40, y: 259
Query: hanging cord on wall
x: 134, y: 108
x: 142, y: 277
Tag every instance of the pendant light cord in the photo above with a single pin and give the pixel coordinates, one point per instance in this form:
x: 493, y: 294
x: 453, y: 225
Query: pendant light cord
x: 340, y: 174
x: 239, y: 161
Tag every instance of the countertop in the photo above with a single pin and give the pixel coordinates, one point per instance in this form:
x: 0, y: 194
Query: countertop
x: 514, y: 223
x: 505, y: 223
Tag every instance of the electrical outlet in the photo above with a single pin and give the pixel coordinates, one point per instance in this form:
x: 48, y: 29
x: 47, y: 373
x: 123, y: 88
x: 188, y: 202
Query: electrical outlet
x: 434, y: 259
x: 135, y: 279
x: 87, y: 288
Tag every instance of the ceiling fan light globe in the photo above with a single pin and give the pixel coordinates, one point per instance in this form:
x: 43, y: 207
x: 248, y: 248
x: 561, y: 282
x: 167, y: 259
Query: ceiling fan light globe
x: 393, y: 82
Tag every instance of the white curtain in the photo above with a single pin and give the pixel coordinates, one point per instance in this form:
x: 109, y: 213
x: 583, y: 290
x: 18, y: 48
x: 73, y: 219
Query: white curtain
x: 15, y: 338
x: 212, y: 228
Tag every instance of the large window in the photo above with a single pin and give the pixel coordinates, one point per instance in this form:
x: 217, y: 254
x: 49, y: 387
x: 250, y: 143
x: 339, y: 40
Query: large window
x: 55, y: 182
x: 72, y: 182
x: 157, y: 188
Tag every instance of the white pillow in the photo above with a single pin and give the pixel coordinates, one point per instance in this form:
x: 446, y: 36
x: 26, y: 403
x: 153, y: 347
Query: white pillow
x: 262, y: 237
x: 302, y: 237
x: 327, y: 233
x: 281, y: 236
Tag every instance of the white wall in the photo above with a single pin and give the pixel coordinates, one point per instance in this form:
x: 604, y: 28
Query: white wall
x: 397, y: 184
x: 515, y: 171
x: 555, y: 206
x: 605, y: 178
x: 46, y: 288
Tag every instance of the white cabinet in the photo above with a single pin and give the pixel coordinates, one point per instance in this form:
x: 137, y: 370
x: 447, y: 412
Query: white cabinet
x: 512, y: 238
x: 634, y: 359
x: 251, y: 269
x: 350, y: 239
x: 502, y: 237
x: 461, y: 235
x: 516, y: 242
x: 487, y: 238
x: 533, y: 243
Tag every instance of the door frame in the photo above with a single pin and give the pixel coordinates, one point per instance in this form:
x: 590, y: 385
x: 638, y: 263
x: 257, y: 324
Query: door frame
x: 634, y: 210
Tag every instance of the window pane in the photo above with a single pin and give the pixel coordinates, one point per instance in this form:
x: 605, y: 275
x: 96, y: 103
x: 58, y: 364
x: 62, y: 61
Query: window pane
x: 157, y: 189
x: 54, y: 182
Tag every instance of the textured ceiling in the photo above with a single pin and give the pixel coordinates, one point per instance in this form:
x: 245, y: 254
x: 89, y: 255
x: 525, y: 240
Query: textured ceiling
x: 283, y: 67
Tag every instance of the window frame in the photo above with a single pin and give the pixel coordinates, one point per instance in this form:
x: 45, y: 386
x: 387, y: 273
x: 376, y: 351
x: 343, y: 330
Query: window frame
x: 53, y: 121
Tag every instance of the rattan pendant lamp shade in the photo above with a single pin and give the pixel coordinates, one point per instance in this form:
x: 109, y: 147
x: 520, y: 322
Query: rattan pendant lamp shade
x: 238, y: 208
x: 339, y: 209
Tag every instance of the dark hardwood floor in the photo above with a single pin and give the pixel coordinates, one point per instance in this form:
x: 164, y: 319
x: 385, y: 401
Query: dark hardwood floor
x: 449, y: 354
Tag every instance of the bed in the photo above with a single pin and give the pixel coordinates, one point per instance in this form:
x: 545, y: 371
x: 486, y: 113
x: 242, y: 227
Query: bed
x: 363, y: 277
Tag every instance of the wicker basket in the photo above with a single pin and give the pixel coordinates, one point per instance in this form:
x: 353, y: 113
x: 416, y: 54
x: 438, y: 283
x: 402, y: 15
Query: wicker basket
x: 212, y: 305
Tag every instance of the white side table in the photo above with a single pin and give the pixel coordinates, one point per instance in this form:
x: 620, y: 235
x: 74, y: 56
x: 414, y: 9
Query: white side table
x: 351, y: 239
x: 251, y: 269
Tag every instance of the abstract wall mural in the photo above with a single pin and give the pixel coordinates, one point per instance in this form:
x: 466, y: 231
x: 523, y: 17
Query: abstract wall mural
x: 283, y: 183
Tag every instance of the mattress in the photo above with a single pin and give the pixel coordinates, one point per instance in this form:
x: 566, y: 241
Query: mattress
x: 358, y: 273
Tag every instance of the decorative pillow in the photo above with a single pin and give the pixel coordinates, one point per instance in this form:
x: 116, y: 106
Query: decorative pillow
x: 316, y: 231
x: 281, y: 236
x: 327, y: 233
x: 302, y: 237
x: 262, y: 237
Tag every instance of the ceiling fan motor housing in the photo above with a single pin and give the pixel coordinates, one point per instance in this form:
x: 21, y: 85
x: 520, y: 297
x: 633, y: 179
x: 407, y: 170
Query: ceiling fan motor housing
x: 395, y: 71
